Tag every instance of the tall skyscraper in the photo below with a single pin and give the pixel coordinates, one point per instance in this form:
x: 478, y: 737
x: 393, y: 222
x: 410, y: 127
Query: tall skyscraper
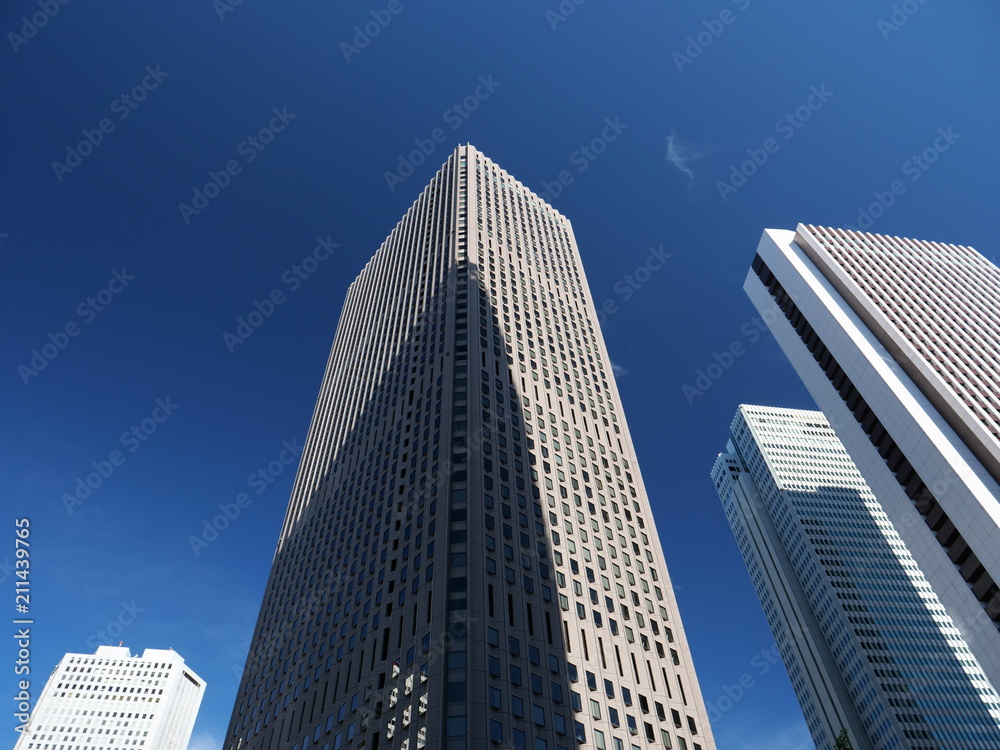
x: 898, y: 341
x: 868, y: 646
x: 111, y: 699
x: 469, y: 559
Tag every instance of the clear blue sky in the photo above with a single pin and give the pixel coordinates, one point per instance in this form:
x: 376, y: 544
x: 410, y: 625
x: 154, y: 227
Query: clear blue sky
x: 832, y: 99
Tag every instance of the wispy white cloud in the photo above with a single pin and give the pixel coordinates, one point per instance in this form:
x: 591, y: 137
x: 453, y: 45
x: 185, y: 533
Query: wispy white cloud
x: 204, y: 741
x: 618, y: 370
x: 682, y: 154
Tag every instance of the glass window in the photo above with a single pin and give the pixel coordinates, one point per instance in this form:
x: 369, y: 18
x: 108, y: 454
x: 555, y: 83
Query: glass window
x: 517, y: 707
x: 536, y: 684
x: 559, y: 721
x: 455, y: 692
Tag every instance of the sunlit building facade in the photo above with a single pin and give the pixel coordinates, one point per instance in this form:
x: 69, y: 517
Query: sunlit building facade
x: 468, y: 558
x: 898, y: 341
x: 868, y: 646
x: 112, y: 700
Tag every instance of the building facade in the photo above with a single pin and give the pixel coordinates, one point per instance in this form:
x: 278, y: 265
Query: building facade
x: 898, y: 341
x: 468, y: 558
x: 868, y: 646
x: 111, y: 699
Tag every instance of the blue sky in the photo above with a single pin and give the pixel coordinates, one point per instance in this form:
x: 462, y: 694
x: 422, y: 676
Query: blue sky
x: 729, y: 117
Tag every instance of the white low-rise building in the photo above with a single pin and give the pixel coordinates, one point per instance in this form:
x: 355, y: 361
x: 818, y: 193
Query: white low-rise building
x: 111, y: 700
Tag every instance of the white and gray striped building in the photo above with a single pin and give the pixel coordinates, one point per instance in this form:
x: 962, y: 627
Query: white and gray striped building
x: 469, y: 558
x: 898, y: 341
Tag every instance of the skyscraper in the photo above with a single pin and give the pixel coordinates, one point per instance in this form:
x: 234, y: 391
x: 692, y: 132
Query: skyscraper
x: 111, y: 699
x: 898, y: 341
x: 468, y: 555
x: 867, y: 644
